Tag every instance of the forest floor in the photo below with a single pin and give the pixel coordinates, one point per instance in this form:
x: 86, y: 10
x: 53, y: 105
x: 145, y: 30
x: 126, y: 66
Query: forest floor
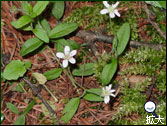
x: 141, y: 68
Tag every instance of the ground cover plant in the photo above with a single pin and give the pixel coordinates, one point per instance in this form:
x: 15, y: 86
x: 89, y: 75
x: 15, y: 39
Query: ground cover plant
x: 91, y: 63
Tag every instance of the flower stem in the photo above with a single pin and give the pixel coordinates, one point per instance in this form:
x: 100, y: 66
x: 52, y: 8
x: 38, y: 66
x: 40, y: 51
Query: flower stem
x: 50, y: 93
x: 89, y: 57
x: 67, y: 72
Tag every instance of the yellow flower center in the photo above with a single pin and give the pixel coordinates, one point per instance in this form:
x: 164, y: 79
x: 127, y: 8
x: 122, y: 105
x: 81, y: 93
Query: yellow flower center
x: 105, y: 93
x: 67, y: 57
x: 110, y: 9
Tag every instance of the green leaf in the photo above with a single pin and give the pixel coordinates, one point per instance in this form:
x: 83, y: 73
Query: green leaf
x: 30, y: 45
x: 26, y: 8
x: 155, y: 3
x: 63, y: 29
x: 58, y: 9
x: 96, y: 91
x: 123, y: 36
x: 2, y: 117
x: 88, y: 70
x: 41, y: 34
x: 53, y: 74
x: 45, y: 25
x: 14, y: 70
x: 115, y: 43
x: 92, y: 97
x: 20, y: 120
x: 163, y: 4
x: 45, y: 110
x: 73, y: 44
x: 26, y: 28
x: 19, y: 87
x: 70, y: 109
x: 109, y: 71
x: 22, y: 21
x: 61, y: 43
x: 40, y: 7
x: 29, y: 107
x: 12, y: 108
x: 28, y: 64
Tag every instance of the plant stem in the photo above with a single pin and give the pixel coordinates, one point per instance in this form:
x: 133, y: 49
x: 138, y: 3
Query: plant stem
x: 75, y: 81
x: 50, y: 93
x: 23, y: 88
x: 89, y: 57
x: 65, y: 71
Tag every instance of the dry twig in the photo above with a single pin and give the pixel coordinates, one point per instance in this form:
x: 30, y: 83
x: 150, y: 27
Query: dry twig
x: 36, y: 92
x: 152, y: 22
x: 90, y: 38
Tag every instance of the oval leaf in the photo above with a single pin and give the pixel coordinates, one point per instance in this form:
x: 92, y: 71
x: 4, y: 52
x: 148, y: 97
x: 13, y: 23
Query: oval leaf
x: 30, y: 45
x: 28, y: 64
x: 14, y: 70
x: 63, y: 29
x: 40, y: 7
x: 39, y: 77
x: 92, y: 97
x: 41, y: 34
x: 61, y: 43
x: 88, y: 70
x: 12, y: 108
x: 20, y: 120
x: 58, y: 9
x: 109, y: 71
x: 22, y: 21
x: 73, y: 44
x: 26, y: 28
x: 53, y: 74
x: 2, y: 117
x: 29, y: 107
x: 123, y: 36
x: 96, y: 91
x: 70, y: 109
x: 26, y: 8
x: 19, y: 87
x: 45, y: 25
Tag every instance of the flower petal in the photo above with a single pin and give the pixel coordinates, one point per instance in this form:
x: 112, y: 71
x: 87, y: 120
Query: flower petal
x: 60, y: 55
x: 73, y: 53
x: 106, y: 4
x: 111, y: 91
x: 115, y: 5
x: 117, y: 13
x: 66, y: 50
x: 104, y: 11
x: 109, y: 87
x: 112, y: 95
x: 112, y: 15
x: 106, y: 99
x: 65, y: 63
x: 72, y: 60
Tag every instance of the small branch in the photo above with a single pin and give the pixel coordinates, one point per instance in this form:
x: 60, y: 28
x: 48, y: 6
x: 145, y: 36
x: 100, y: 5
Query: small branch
x: 90, y: 38
x: 36, y: 92
x: 150, y: 89
x: 153, y: 23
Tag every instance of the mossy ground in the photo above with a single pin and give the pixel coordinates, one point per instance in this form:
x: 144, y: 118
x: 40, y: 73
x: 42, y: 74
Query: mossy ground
x: 141, y: 62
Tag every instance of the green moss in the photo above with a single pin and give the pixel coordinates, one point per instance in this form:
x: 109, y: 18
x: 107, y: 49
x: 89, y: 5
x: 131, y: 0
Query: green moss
x: 161, y: 81
x: 143, y: 61
x: 89, y: 17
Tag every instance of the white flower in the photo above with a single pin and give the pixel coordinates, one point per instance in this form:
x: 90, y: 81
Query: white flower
x: 107, y: 92
x: 67, y: 56
x: 111, y: 9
